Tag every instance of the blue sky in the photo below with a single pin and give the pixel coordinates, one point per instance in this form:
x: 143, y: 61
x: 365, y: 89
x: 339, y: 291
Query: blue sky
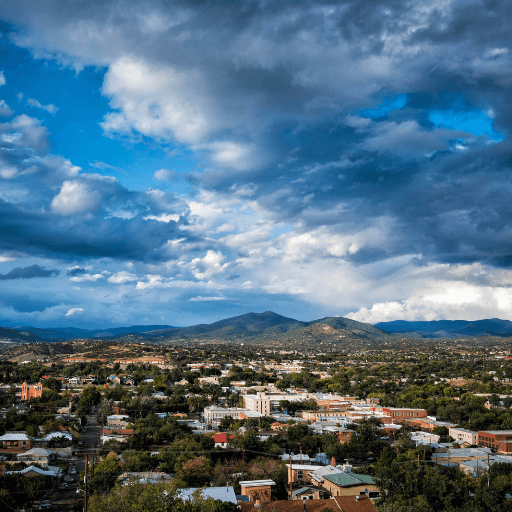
x: 177, y: 163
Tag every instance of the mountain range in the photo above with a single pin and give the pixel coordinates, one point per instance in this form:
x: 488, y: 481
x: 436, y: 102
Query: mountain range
x: 268, y: 325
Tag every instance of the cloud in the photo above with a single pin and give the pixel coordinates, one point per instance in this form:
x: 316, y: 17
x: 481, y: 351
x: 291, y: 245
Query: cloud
x: 205, y: 299
x: 29, y: 273
x: 165, y: 175
x: 2, y: 78
x: 75, y: 197
x: 160, y: 102
x: 74, y: 311
x: 324, y: 162
x: 86, y: 277
x: 409, y: 140
x: 76, y: 271
x: 105, y: 166
x: 51, y: 108
x: 24, y: 132
x: 211, y: 264
x: 5, y: 111
x: 122, y: 277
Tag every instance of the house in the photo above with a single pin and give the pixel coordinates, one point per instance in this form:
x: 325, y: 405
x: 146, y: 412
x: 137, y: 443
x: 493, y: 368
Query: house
x: 114, y: 380
x: 300, y: 472
x: 31, y: 471
x: 221, y: 440
x: 308, y: 493
x: 120, y: 434
x: 16, y: 442
x: 317, y: 477
x: 118, y: 421
x: 39, y: 455
x: 260, y: 490
x: 347, y: 483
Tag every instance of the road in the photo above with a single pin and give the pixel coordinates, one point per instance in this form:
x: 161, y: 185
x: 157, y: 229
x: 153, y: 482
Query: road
x: 64, y: 498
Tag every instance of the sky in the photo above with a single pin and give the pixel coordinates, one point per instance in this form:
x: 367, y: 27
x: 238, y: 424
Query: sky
x: 178, y: 162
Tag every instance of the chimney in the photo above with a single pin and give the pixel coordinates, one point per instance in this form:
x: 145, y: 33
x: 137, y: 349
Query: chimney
x: 333, y: 462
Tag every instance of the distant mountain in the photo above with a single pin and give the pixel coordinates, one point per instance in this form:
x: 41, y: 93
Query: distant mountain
x: 450, y: 328
x: 17, y: 336
x: 250, y: 324
x: 72, y: 333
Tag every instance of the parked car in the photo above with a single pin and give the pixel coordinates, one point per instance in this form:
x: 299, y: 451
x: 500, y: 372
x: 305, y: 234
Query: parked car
x: 63, y: 485
x: 72, y: 471
x: 45, y: 505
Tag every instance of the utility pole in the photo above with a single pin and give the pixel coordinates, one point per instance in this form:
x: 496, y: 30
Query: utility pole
x: 291, y: 475
x: 85, y: 485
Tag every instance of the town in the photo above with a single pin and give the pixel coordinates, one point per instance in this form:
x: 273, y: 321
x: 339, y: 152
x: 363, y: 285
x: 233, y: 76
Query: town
x: 206, y: 428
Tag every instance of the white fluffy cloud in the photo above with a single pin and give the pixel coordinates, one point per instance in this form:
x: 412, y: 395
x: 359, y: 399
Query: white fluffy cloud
x: 86, y: 277
x: 75, y: 197
x: 51, y: 108
x: 161, y: 102
x: 5, y: 111
x: 210, y: 265
x: 74, y: 311
x: 122, y: 277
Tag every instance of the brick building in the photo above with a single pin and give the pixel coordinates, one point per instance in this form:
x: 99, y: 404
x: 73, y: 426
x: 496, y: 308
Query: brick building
x: 28, y: 391
x: 257, y: 490
x: 499, y: 440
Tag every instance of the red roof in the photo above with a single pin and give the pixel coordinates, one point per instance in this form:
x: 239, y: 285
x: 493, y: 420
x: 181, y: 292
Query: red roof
x: 345, y: 503
x: 222, y: 438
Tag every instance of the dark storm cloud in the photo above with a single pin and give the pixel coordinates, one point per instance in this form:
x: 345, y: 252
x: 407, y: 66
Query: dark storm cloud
x: 29, y: 273
x: 40, y: 234
x: 76, y: 271
x: 285, y: 76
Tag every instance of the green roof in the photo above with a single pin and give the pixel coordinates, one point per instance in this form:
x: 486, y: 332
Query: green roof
x: 349, y: 479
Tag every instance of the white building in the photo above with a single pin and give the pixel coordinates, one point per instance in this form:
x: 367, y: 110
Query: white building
x: 258, y: 403
x: 213, y: 415
x: 461, y: 435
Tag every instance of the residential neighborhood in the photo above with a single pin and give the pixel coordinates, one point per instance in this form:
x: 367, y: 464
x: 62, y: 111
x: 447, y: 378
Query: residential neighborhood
x: 253, y: 431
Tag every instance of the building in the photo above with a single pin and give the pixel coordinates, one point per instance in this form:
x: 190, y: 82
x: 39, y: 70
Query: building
x: 258, y: 403
x: 38, y: 455
x: 117, y: 421
x: 221, y: 440
x: 499, y: 440
x: 347, y: 483
x: 403, y: 413
x: 308, y: 493
x: 461, y: 435
x: 260, y: 490
x: 15, y: 442
x: 213, y: 415
x: 28, y: 391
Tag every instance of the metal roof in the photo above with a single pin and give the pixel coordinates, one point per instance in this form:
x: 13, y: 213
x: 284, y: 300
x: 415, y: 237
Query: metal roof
x: 347, y: 479
x: 225, y: 494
